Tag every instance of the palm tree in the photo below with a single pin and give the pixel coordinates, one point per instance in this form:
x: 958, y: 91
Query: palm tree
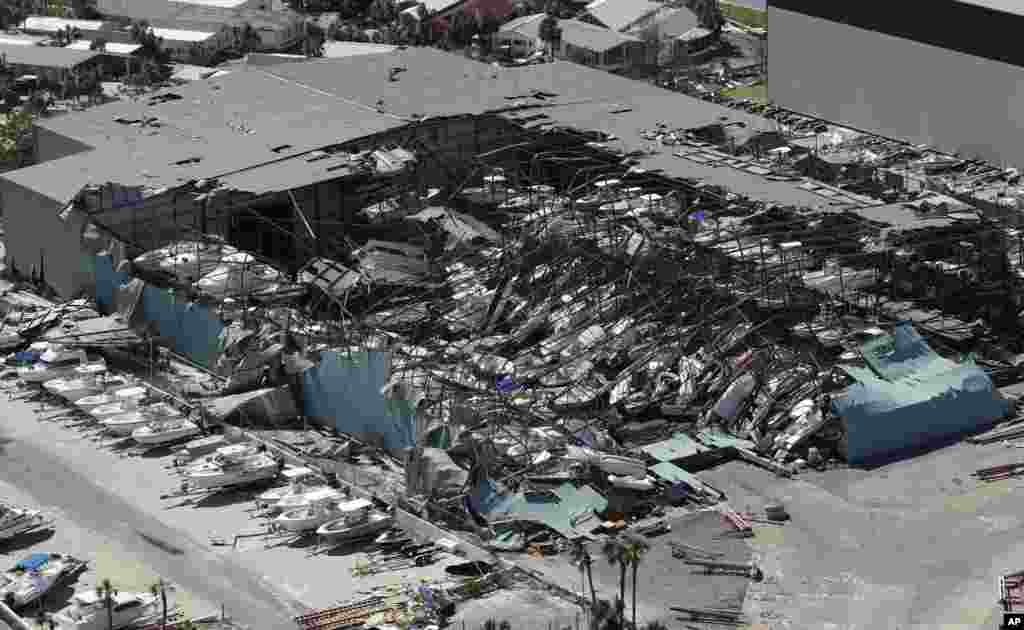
x: 581, y: 555
x: 106, y: 592
x: 633, y: 553
x: 615, y: 552
x: 160, y: 588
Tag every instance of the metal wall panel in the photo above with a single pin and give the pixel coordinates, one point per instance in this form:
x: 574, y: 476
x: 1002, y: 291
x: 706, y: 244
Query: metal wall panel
x: 897, y: 88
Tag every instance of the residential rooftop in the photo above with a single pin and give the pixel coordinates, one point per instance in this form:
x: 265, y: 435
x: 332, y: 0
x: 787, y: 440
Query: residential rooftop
x: 45, y: 24
x: 111, y: 48
x: 21, y: 40
x: 574, y: 32
x: 620, y: 14
x: 179, y: 35
x: 45, y: 56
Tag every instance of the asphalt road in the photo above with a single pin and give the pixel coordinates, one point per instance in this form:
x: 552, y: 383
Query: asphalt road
x: 168, y: 552
x: 912, y: 545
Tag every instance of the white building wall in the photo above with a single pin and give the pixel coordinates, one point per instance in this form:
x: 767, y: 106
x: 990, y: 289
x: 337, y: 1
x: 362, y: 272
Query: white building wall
x: 897, y: 88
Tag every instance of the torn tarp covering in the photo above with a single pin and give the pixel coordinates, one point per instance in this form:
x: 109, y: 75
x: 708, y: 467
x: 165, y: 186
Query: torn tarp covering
x: 264, y: 406
x: 911, y: 397
x: 561, y: 509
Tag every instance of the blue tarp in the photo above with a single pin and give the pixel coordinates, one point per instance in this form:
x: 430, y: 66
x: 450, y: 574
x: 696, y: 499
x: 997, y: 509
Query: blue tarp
x: 345, y: 390
x: 33, y: 562
x: 911, y: 398
x: 192, y: 329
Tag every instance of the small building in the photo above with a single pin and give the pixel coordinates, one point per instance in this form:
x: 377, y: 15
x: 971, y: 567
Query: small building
x: 50, y: 63
x: 190, y: 46
x: 583, y: 43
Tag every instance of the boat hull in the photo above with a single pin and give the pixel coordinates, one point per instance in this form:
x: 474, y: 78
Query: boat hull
x: 164, y: 437
x: 376, y: 524
x: 222, y: 479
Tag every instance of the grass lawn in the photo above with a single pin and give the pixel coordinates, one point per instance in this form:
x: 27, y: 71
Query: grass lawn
x: 745, y: 15
x: 758, y: 92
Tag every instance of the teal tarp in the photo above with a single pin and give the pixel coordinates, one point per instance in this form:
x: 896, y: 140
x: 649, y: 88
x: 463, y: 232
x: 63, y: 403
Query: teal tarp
x: 911, y: 397
x: 558, y: 510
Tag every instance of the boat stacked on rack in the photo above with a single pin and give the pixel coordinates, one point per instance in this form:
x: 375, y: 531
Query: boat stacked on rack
x: 359, y: 519
x: 88, y: 611
x: 83, y: 381
x: 300, y: 482
x: 234, y: 465
x: 165, y: 431
x: 320, y: 508
x: 109, y: 386
x: 35, y: 576
x: 56, y: 361
x: 125, y: 423
x: 18, y: 520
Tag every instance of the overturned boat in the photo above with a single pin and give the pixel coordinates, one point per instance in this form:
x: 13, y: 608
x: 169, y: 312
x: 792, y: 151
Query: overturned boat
x: 359, y: 519
x: 35, y: 576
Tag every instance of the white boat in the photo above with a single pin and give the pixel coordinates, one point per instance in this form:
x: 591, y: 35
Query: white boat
x: 17, y: 520
x: 57, y: 361
x: 299, y: 482
x: 164, y: 431
x: 198, y: 448
x: 632, y: 483
x: 233, y: 471
x: 117, y: 408
x: 358, y: 519
x: 236, y: 452
x: 626, y: 466
x: 125, y: 423
x: 321, y: 509
x: 73, y: 388
x: 34, y: 576
x: 111, y: 386
x: 296, y: 501
x: 88, y: 611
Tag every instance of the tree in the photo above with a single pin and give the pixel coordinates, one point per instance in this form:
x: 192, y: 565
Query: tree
x: 160, y: 588
x: 633, y: 553
x: 382, y: 11
x: 315, y: 38
x: 581, y: 555
x: 615, y: 552
x: 550, y: 33
x: 247, y: 38
x: 105, y: 591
